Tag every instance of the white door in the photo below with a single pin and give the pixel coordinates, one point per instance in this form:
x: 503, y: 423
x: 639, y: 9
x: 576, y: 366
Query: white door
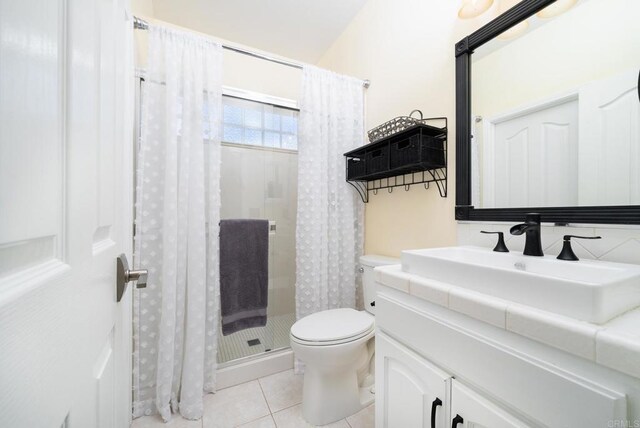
x: 610, y: 141
x: 410, y: 392
x: 469, y: 409
x: 531, y: 158
x: 65, y: 212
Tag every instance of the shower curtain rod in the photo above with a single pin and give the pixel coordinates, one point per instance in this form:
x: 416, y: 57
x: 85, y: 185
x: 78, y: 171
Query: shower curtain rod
x: 141, y: 24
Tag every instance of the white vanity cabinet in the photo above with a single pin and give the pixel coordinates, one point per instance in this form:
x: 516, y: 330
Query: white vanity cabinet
x: 470, y: 409
x: 413, y: 393
x: 484, y: 376
x: 410, y: 391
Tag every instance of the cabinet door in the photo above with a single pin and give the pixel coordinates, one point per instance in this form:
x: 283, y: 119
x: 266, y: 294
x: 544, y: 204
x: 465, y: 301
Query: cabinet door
x: 469, y: 409
x: 410, y: 391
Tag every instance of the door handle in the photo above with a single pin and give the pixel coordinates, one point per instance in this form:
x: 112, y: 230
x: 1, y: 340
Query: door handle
x: 457, y: 420
x: 437, y: 402
x: 124, y: 275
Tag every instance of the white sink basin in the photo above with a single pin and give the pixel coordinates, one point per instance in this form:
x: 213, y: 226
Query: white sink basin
x: 587, y: 290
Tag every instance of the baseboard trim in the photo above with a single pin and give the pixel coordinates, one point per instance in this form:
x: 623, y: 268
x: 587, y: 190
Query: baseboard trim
x: 254, y: 369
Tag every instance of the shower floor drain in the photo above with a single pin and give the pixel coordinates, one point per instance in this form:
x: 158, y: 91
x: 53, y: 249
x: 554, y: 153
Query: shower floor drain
x: 253, y: 342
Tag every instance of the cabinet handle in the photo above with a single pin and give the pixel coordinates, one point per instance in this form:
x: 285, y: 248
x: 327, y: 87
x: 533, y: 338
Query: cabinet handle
x: 457, y: 420
x: 437, y: 402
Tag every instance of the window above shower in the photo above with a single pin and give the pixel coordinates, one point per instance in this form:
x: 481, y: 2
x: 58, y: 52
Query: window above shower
x: 259, y: 124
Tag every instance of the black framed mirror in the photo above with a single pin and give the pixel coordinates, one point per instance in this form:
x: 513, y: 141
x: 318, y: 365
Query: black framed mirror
x: 583, y: 199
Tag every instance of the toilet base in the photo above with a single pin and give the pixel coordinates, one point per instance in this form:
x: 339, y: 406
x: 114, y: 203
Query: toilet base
x: 331, y: 397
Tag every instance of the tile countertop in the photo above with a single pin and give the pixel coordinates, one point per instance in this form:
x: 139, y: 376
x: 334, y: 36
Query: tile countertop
x: 615, y: 344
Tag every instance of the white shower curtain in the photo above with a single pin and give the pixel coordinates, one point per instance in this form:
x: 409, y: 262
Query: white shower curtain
x: 177, y: 216
x: 329, y: 230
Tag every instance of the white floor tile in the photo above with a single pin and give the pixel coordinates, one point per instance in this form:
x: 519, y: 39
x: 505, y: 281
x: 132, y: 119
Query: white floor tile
x: 156, y: 421
x: 282, y: 390
x: 292, y: 418
x: 245, y: 406
x: 365, y: 418
x: 234, y: 406
x: 266, y: 422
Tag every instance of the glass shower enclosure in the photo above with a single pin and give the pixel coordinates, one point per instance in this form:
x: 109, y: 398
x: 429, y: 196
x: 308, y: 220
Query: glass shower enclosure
x: 259, y: 181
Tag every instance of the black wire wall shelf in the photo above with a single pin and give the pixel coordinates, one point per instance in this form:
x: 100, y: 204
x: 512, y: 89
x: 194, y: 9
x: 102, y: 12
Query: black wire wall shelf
x: 412, y: 156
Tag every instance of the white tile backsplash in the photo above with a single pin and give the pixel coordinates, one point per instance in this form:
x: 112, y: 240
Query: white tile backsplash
x: 628, y: 252
x: 619, y: 243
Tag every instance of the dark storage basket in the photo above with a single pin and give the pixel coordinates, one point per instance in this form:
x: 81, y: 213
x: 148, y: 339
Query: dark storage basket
x: 377, y: 159
x: 420, y: 150
x: 356, y: 168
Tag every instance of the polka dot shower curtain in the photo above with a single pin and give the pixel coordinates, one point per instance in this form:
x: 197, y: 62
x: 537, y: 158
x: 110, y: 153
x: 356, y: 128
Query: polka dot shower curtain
x: 329, y: 229
x: 177, y: 216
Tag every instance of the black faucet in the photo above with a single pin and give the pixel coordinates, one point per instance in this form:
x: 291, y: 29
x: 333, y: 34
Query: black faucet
x: 531, y: 225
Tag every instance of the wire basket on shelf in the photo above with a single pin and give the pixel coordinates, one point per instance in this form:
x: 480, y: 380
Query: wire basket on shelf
x: 394, y: 126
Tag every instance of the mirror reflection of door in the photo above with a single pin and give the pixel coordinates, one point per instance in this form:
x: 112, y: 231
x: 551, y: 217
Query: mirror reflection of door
x: 534, y: 158
x: 610, y: 141
x: 560, y: 112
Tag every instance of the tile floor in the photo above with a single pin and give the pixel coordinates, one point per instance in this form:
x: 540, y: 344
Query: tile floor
x: 269, y: 402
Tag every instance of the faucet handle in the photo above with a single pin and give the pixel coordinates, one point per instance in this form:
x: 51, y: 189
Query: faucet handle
x: 567, y: 252
x: 500, y: 247
x: 568, y: 237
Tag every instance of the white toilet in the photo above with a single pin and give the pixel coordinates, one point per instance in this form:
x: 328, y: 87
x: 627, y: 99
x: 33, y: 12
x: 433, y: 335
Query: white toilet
x: 337, y: 347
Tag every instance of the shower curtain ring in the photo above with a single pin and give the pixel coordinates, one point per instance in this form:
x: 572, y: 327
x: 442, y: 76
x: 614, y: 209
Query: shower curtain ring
x: 390, y: 190
x: 407, y: 187
x: 426, y: 186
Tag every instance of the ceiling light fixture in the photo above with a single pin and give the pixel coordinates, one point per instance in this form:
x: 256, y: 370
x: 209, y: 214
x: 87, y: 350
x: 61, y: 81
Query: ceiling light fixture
x: 474, y: 8
x: 555, y: 9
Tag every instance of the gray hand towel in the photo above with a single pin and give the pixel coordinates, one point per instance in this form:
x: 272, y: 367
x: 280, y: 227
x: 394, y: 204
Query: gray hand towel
x: 244, y: 274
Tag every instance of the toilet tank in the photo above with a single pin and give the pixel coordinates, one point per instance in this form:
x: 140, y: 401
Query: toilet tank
x: 367, y: 263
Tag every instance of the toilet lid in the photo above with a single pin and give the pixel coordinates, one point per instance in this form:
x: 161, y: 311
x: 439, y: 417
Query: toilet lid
x: 332, y: 325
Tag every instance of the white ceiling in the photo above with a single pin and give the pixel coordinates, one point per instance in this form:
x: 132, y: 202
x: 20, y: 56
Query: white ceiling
x: 298, y: 29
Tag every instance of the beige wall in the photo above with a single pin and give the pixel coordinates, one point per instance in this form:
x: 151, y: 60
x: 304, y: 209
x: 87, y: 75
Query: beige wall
x: 405, y: 47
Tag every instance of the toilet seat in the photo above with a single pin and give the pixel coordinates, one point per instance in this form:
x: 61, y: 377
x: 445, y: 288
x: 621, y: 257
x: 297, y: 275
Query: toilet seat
x: 332, y: 327
x: 332, y: 342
